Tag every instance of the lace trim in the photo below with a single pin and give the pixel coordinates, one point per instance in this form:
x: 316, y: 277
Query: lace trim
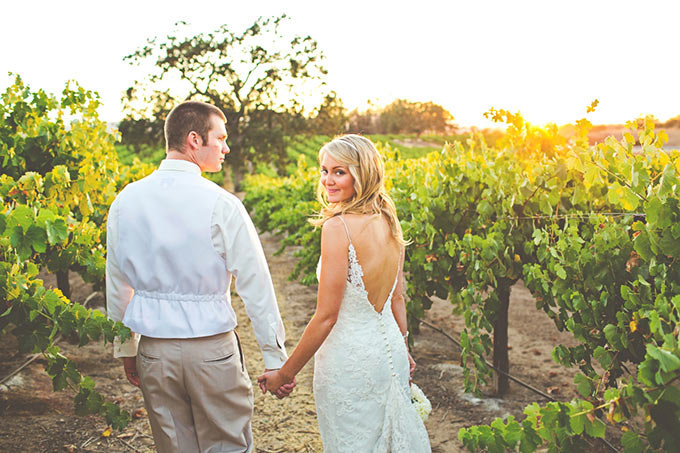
x: 355, y: 271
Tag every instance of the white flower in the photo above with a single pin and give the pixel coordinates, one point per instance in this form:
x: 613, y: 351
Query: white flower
x: 420, y: 402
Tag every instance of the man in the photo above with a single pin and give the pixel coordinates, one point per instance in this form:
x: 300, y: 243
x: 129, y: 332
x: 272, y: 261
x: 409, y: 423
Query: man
x: 174, y: 240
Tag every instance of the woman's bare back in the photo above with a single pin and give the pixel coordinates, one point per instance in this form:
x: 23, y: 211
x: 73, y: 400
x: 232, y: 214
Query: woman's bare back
x: 378, y: 253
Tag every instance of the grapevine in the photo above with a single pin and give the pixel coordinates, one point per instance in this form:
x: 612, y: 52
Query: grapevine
x: 60, y: 173
x: 536, y: 206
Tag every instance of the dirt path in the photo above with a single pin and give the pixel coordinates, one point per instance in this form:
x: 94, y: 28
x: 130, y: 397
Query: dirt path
x: 33, y: 418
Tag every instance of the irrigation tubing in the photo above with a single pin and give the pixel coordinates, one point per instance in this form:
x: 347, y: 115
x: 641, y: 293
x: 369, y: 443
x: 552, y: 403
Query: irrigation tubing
x: 511, y: 377
x: 32, y: 357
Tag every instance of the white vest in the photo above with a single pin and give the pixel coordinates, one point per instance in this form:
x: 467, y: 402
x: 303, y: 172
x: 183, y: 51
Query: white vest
x: 165, y: 251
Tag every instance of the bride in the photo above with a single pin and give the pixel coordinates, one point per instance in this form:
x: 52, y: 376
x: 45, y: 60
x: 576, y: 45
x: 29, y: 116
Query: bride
x: 358, y: 332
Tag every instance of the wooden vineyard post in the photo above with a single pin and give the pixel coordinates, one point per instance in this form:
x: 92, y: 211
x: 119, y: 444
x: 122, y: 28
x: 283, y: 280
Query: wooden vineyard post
x: 63, y: 284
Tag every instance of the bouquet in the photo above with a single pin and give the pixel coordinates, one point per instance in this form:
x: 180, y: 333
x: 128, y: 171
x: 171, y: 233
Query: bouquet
x: 420, y: 402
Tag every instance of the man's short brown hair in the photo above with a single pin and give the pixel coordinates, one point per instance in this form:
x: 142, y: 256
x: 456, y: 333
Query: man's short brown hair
x: 186, y: 117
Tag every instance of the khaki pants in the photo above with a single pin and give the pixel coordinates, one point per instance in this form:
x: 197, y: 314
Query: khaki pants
x: 197, y: 393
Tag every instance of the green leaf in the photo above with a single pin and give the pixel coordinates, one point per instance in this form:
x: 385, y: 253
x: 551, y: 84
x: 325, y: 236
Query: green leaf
x: 115, y: 417
x: 577, y: 423
x: 631, y: 442
x: 484, y: 208
x: 583, y: 385
x: 36, y: 237
x: 652, y: 208
x: 676, y: 302
x: 45, y: 215
x: 646, y: 371
x: 87, y: 383
x: 612, y: 334
x: 559, y: 270
x: 671, y: 394
x: 59, y: 382
x: 603, y: 356
x: 611, y: 394
x: 6, y: 312
x: 669, y: 182
x: 668, y: 361
x: 669, y: 245
x: 50, y: 301
x: 93, y: 402
x: 16, y: 237
x: 596, y: 428
x: 642, y: 245
x: 530, y: 439
x: 57, y: 231
x: 513, y: 432
x: 31, y: 269
x: 629, y: 199
x: 23, y: 216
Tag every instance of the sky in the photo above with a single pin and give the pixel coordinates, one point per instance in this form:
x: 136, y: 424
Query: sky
x: 547, y: 59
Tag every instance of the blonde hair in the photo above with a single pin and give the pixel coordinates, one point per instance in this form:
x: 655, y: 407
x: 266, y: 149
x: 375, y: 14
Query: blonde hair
x: 366, y: 166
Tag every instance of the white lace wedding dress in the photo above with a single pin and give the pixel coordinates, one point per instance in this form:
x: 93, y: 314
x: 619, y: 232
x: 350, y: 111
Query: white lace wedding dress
x: 361, y: 375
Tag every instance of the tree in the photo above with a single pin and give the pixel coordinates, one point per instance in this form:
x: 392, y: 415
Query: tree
x: 364, y: 122
x: 141, y: 132
x: 330, y: 118
x: 433, y: 118
x: 402, y: 116
x: 253, y: 77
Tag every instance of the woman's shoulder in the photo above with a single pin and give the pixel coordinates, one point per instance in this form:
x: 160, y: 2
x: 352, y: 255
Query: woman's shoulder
x: 332, y: 223
x: 334, y: 227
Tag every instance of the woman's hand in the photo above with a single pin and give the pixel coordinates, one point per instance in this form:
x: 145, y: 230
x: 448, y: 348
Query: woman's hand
x: 275, y: 382
x: 411, y: 368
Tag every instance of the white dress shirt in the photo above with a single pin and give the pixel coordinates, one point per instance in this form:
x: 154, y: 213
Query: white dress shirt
x: 174, y: 240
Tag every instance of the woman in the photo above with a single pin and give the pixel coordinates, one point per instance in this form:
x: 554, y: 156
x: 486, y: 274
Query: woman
x: 358, y: 331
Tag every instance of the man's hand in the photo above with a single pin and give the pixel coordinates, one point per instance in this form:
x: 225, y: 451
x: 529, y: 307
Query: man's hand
x: 130, y: 366
x: 275, y: 382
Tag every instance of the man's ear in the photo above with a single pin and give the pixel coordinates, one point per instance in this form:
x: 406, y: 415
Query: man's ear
x: 193, y: 141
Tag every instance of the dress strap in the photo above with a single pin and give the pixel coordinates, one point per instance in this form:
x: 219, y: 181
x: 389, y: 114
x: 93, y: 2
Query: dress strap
x: 396, y: 279
x: 346, y: 229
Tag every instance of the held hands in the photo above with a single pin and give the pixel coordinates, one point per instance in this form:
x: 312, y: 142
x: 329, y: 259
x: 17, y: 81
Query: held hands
x: 276, y: 383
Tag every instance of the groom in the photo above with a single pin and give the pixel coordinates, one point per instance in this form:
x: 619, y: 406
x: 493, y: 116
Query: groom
x: 174, y: 241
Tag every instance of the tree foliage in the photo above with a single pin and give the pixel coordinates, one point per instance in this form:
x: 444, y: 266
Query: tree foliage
x: 253, y: 76
x: 330, y: 118
x: 141, y: 132
x: 402, y: 116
